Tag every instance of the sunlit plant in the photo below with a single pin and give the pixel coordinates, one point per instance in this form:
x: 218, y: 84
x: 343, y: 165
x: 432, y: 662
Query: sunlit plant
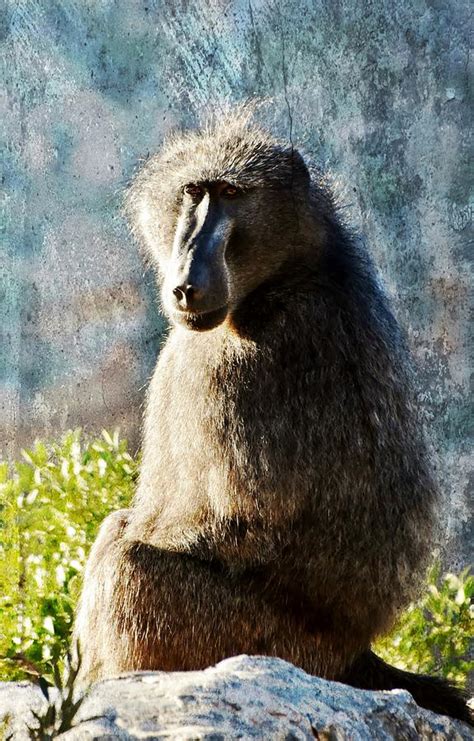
x: 51, y: 504
x: 435, y: 635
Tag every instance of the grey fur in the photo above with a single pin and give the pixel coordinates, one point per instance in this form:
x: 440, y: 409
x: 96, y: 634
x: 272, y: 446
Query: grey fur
x: 285, y: 503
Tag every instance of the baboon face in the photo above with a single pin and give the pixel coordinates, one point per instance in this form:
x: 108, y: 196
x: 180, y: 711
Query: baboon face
x: 218, y: 218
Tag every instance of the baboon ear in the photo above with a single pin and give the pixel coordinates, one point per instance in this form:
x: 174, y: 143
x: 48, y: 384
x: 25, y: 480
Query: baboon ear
x: 298, y: 166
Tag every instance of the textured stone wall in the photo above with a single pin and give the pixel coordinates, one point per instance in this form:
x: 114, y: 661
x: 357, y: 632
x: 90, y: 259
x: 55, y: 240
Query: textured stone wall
x: 376, y: 91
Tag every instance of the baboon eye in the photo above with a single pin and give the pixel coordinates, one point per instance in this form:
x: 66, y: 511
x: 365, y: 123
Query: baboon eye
x: 193, y: 190
x: 230, y: 191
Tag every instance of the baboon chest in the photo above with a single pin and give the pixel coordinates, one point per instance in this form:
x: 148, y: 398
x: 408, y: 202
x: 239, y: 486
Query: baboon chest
x: 242, y: 430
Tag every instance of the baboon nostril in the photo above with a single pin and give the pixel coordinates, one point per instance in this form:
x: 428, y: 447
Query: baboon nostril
x: 178, y: 293
x: 189, y: 292
x: 185, y: 293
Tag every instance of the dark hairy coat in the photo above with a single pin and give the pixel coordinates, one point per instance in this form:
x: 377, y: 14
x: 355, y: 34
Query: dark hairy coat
x: 285, y: 503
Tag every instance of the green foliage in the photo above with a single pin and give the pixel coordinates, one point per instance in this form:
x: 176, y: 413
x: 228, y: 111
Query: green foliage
x: 435, y: 635
x: 51, y: 505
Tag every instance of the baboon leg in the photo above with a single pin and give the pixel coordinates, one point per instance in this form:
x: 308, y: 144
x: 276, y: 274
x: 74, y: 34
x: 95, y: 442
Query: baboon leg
x: 144, y: 608
x: 91, y: 632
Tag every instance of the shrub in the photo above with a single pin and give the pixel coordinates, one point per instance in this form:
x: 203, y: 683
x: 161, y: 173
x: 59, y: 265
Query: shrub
x: 435, y: 634
x: 51, y: 505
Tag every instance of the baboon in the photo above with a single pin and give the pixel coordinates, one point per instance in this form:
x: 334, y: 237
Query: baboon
x: 285, y: 504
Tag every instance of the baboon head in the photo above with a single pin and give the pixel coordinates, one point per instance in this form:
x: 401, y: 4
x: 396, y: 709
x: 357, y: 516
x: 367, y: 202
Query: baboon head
x: 219, y: 211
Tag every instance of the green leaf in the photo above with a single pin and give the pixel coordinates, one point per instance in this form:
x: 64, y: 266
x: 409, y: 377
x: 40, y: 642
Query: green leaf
x: 44, y: 687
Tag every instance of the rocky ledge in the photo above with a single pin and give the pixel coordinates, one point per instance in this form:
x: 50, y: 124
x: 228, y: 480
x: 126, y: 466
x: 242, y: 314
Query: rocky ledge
x: 240, y: 698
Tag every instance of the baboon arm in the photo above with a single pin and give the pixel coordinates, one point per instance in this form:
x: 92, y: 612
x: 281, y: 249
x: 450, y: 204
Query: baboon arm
x: 146, y: 608
x: 232, y: 541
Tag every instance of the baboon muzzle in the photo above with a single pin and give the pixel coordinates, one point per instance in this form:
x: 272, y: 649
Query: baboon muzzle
x: 199, y: 283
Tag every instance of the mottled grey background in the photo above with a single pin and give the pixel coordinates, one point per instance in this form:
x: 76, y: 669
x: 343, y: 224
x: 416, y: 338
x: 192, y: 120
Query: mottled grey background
x: 376, y: 91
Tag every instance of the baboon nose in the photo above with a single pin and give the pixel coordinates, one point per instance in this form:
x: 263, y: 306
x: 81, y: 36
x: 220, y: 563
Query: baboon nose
x: 187, y: 295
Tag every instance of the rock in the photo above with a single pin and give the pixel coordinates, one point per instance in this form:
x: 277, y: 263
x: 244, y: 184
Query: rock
x: 243, y: 697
